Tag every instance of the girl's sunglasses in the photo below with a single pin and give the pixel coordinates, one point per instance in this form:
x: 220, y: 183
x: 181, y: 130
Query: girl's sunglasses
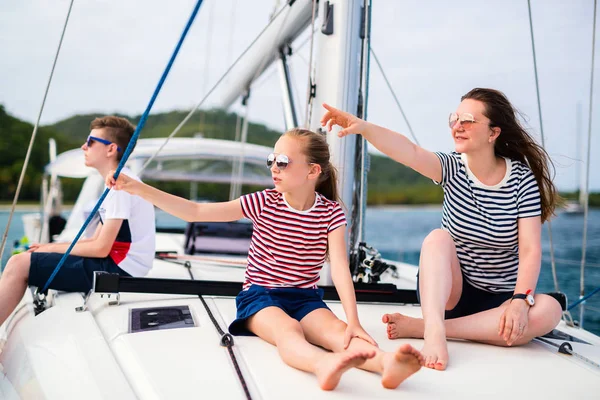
x: 281, y: 160
x: 92, y: 139
x: 465, y: 120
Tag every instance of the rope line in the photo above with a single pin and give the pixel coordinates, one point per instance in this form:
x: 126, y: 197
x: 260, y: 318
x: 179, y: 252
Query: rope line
x: 226, y: 339
x: 583, y: 299
x: 131, y: 144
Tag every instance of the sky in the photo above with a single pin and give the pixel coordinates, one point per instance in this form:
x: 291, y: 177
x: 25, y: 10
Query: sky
x: 432, y: 52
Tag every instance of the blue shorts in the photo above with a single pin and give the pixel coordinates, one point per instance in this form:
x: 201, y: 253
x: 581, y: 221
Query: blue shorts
x: 473, y: 300
x: 296, y: 302
x: 75, y: 275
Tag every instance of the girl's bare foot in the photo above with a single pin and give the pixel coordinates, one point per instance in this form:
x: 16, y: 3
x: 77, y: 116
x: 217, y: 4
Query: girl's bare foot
x: 400, y: 365
x: 330, y: 370
x: 435, y: 349
x: 401, y: 326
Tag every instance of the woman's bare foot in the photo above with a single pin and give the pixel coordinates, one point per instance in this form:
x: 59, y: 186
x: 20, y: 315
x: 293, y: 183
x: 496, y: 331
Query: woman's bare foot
x: 330, y: 370
x: 400, y: 365
x: 401, y: 326
x: 435, y: 349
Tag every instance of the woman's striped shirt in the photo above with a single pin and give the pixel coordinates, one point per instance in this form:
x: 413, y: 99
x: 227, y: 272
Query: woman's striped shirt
x: 482, y: 220
x: 288, y: 247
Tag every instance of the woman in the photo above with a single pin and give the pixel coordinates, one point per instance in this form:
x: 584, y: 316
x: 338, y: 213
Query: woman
x: 478, y: 273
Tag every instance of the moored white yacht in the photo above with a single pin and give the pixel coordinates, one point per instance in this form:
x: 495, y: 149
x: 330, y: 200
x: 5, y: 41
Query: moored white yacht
x: 161, y: 337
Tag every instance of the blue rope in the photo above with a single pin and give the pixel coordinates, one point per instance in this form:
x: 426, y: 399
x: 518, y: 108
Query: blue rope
x: 131, y: 144
x: 581, y: 300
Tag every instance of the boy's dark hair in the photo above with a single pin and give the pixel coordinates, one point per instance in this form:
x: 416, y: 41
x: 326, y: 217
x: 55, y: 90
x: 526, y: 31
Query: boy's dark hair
x: 117, y: 129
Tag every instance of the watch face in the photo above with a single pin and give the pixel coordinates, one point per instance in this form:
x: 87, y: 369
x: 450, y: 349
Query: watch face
x: 529, y: 299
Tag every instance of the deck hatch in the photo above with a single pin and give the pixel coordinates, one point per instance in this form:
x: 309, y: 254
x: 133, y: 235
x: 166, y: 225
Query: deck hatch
x: 158, y: 318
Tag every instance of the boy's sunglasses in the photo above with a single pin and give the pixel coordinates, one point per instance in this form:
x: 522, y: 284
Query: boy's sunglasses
x: 281, y: 160
x: 92, y: 139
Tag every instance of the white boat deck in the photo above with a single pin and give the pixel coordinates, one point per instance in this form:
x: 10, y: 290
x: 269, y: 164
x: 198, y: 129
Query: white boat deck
x: 93, y: 355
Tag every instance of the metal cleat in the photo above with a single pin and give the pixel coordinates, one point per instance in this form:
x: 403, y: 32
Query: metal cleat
x: 84, y: 307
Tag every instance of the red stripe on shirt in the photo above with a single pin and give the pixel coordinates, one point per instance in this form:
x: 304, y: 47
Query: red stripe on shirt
x: 119, y: 251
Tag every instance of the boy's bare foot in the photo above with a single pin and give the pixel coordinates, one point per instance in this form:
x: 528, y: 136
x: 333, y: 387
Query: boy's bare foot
x: 400, y: 365
x: 401, y: 326
x: 435, y: 349
x: 331, y: 369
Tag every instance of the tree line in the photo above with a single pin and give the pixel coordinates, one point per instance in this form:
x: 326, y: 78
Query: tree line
x: 388, y: 181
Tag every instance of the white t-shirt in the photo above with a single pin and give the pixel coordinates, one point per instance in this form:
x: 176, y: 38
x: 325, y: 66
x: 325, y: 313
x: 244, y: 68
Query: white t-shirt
x: 134, y: 246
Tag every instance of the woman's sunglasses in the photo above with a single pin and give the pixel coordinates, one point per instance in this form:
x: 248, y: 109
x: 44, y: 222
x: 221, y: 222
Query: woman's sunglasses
x: 465, y: 120
x: 281, y: 160
x: 92, y: 139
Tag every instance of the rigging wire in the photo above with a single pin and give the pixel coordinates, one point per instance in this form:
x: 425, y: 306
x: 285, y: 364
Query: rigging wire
x: 237, y: 171
x: 238, y: 132
x: 207, y: 58
x: 232, y: 17
x: 539, y: 105
x: 587, y: 179
x: 34, y: 134
x: 201, y: 102
x: 387, y: 82
x: 357, y: 227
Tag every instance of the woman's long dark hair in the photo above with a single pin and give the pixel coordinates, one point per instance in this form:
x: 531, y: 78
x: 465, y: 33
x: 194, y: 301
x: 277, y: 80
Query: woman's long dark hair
x: 515, y: 143
x: 317, y: 152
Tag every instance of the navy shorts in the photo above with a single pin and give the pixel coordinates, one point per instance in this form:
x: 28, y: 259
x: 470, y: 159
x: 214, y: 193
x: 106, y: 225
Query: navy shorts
x: 473, y: 300
x: 296, y: 302
x: 75, y: 275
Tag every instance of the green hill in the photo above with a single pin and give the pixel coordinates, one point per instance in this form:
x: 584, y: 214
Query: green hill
x: 15, y: 136
x: 389, y: 182
x: 216, y: 124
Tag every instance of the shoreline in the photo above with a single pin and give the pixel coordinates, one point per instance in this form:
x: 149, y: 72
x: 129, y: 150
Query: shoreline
x: 28, y: 208
x: 399, y: 207
x: 407, y: 207
x: 395, y: 207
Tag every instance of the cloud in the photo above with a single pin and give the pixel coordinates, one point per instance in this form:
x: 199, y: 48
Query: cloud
x: 433, y: 52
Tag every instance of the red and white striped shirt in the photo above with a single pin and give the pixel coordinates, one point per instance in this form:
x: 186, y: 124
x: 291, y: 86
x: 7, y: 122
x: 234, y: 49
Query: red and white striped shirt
x: 288, y: 247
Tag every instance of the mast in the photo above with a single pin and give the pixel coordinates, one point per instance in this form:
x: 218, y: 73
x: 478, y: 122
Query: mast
x: 338, y: 82
x: 339, y: 72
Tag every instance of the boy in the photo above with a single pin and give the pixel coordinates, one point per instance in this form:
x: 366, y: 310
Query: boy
x: 123, y: 242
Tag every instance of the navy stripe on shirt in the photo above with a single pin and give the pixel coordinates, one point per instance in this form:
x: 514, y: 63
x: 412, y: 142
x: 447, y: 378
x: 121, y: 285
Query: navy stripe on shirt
x: 482, y: 220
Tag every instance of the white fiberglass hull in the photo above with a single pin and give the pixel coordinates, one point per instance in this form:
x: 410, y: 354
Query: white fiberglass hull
x: 65, y: 354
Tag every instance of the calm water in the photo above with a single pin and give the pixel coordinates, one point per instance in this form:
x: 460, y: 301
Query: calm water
x: 398, y: 233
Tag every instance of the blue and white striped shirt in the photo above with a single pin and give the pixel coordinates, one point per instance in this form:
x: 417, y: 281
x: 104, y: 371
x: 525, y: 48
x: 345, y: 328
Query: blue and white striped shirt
x: 482, y: 220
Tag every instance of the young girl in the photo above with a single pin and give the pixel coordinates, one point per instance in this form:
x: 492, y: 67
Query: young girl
x: 296, y: 226
x: 478, y: 273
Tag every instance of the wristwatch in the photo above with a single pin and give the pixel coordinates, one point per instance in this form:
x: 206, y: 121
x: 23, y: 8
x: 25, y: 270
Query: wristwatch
x: 529, y: 300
